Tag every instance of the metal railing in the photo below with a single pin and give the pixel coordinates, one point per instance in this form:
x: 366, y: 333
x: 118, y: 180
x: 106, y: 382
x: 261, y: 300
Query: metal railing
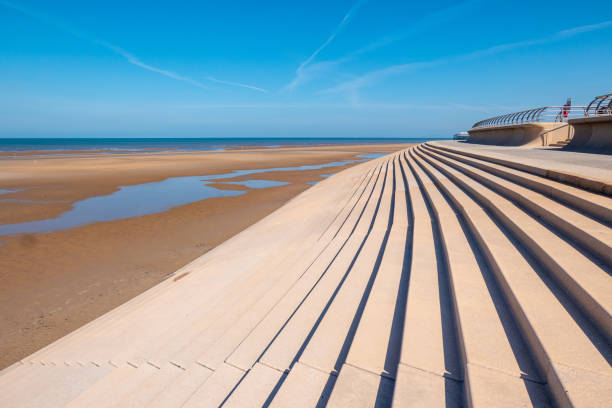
x: 543, y: 114
x: 600, y: 106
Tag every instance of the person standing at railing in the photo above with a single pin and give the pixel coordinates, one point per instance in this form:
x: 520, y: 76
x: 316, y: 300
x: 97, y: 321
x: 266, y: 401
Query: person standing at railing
x: 565, y: 111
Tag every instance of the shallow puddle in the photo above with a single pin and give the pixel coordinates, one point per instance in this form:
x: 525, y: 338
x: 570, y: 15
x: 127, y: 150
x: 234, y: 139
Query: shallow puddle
x: 155, y: 197
x: 129, y: 201
x: 258, y: 183
x: 372, y: 155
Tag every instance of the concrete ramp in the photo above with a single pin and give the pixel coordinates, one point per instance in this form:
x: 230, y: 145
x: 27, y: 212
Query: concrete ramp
x: 429, y: 277
x: 523, y: 135
x: 592, y: 133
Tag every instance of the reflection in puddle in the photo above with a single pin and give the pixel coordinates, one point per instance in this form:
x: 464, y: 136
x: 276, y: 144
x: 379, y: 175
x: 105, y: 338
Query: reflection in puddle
x: 3, y: 191
x: 258, y: 183
x: 372, y: 155
x: 150, y: 198
x: 22, y: 201
x: 129, y: 201
x: 321, y: 175
x: 238, y: 173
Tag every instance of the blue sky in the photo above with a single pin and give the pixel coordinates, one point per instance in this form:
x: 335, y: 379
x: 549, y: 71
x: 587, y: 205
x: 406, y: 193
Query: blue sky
x: 283, y: 68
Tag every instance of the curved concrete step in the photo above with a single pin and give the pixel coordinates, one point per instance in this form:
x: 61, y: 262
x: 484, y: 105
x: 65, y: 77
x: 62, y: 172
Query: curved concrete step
x: 260, y: 338
x: 595, y: 205
x: 330, y: 342
x: 384, y: 309
x: 587, y: 282
x: 570, y: 362
x: 288, y: 344
x: 583, y: 181
x: 429, y: 371
x: 590, y: 234
x: 256, y: 389
x: 494, y: 358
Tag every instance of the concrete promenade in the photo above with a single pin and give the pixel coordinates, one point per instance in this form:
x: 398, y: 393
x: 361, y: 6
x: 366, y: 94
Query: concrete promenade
x: 440, y: 276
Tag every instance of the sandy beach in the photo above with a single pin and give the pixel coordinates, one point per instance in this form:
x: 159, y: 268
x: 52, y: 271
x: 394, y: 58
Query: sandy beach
x: 55, y: 282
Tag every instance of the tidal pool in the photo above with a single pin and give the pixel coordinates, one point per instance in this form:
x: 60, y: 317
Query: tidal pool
x: 155, y: 197
x: 128, y: 201
x: 372, y: 155
x: 258, y: 183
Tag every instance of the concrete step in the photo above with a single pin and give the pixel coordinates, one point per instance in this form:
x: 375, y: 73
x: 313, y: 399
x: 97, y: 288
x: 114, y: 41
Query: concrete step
x: 249, y: 319
x: 487, y: 333
x: 260, y: 338
x: 569, y: 353
x: 115, y: 386
x: 562, y: 143
x: 418, y: 388
x: 350, y: 202
x: 304, y: 387
x: 288, y: 344
x: 376, y: 346
x: 216, y: 388
x: 429, y: 360
x: 48, y: 386
x: 164, y: 384
x: 583, y: 181
x: 209, y: 327
x: 590, y: 234
x: 587, y: 282
x: 256, y: 389
x: 589, y: 202
x: 333, y: 335
x: 357, y: 388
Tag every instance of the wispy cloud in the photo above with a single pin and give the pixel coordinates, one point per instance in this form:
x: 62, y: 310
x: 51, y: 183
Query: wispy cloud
x: 426, y: 23
x: 582, y: 29
x: 60, y: 25
x: 301, y: 74
x: 308, y: 71
x: 348, y: 106
x: 135, y: 61
x: 219, y: 81
x: 350, y: 87
x: 485, y: 109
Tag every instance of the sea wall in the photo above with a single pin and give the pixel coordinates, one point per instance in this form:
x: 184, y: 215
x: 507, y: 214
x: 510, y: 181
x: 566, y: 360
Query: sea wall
x: 528, y: 135
x: 592, y: 133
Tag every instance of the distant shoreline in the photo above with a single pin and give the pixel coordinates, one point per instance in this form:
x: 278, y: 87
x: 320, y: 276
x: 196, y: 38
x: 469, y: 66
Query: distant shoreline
x: 59, y: 146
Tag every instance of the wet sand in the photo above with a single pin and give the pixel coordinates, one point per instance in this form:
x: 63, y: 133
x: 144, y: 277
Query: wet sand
x: 53, y: 283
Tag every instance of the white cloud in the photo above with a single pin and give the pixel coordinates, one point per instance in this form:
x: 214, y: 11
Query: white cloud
x: 117, y: 50
x: 302, y: 73
x: 219, y: 81
x: 352, y: 86
x: 307, y: 72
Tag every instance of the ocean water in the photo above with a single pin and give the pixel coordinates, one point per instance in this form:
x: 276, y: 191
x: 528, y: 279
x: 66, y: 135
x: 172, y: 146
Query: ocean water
x: 178, y: 144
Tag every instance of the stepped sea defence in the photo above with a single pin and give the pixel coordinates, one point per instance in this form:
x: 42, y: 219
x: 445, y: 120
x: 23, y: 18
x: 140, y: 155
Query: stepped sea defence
x: 439, y: 275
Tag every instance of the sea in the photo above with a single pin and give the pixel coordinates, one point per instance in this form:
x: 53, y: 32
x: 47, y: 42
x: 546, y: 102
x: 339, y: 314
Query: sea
x: 126, y: 145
